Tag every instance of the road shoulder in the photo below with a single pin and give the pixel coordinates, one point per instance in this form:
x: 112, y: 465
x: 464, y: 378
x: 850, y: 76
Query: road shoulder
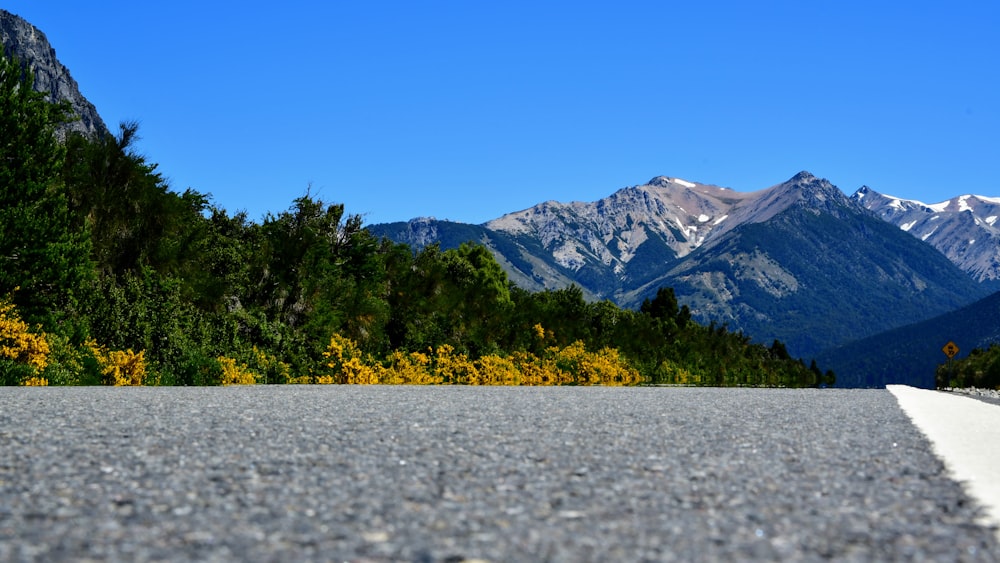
x: 965, y: 434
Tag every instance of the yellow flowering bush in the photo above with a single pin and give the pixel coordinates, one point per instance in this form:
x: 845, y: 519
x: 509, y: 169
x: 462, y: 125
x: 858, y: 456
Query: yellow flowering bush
x: 344, y: 358
x: 18, y: 343
x: 539, y: 331
x: 408, y: 369
x: 234, y: 373
x: 455, y: 368
x: 35, y: 382
x: 119, y: 367
x: 271, y: 369
x: 604, y: 367
x: 496, y: 370
x: 571, y: 365
x: 533, y: 371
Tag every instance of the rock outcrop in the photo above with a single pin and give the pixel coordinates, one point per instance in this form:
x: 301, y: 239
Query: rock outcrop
x: 29, y: 45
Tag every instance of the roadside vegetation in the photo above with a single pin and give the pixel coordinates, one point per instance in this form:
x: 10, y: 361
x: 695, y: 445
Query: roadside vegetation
x: 109, y: 277
x: 980, y: 369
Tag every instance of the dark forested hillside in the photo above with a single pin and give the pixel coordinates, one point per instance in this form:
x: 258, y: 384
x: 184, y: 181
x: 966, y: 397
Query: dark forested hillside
x: 911, y: 354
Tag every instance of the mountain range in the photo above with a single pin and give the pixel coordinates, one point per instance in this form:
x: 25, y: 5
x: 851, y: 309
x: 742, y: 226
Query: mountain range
x: 800, y: 261
x: 963, y: 228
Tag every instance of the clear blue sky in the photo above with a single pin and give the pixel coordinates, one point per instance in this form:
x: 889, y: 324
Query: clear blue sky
x: 468, y: 110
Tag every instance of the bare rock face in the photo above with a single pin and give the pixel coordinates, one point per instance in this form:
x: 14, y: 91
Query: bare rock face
x: 29, y: 45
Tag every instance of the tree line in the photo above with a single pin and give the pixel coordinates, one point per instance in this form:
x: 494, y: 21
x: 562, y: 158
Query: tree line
x: 107, y: 276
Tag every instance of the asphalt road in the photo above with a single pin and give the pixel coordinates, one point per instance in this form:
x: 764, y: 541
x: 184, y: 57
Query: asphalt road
x: 340, y: 473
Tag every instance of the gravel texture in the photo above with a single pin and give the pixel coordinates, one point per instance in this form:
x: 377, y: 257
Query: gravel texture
x: 985, y: 395
x: 338, y: 473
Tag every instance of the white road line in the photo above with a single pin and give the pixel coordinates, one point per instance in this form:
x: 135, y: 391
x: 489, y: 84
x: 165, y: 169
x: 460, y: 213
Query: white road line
x: 965, y: 434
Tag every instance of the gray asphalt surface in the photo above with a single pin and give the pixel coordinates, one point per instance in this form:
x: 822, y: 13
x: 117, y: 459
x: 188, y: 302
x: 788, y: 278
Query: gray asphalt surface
x: 454, y: 473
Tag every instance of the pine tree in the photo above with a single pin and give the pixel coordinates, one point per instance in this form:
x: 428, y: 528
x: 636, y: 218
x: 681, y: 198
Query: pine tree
x: 40, y: 257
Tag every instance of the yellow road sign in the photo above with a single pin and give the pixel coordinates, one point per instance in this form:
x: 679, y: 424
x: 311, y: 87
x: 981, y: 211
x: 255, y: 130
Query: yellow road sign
x: 950, y: 349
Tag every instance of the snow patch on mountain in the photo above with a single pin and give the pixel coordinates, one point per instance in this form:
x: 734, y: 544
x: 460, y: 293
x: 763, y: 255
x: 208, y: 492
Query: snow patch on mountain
x: 964, y: 228
x: 963, y: 203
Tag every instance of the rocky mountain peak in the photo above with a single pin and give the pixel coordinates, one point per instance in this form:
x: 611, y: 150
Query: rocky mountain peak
x: 29, y: 45
x: 807, y: 182
x: 804, y: 177
x: 666, y: 182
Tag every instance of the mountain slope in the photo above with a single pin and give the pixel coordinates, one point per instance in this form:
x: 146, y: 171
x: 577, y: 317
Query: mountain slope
x: 911, y: 353
x: 29, y: 44
x: 818, y: 272
x: 963, y: 228
x: 625, y: 239
x: 523, y: 267
x: 799, y: 261
x: 605, y: 246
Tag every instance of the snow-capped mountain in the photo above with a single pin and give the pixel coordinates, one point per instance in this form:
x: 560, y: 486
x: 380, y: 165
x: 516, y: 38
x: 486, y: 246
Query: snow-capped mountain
x: 799, y: 261
x: 963, y: 228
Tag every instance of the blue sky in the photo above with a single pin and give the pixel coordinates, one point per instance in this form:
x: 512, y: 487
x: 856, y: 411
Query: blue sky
x: 469, y: 110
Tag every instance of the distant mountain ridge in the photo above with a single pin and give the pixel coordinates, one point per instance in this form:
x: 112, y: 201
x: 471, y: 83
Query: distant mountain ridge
x: 799, y: 261
x: 911, y: 353
x: 26, y: 42
x: 964, y: 228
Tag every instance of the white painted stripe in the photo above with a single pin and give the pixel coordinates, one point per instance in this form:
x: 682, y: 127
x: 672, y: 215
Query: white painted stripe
x: 965, y: 434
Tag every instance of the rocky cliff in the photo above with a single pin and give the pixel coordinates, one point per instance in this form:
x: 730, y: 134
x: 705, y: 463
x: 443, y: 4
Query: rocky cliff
x: 26, y: 42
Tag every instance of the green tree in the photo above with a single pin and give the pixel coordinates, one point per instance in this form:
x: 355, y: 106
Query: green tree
x: 222, y: 277
x: 664, y: 307
x: 317, y: 272
x: 459, y: 297
x: 39, y: 252
x: 480, y: 297
x: 417, y: 317
x: 135, y: 220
